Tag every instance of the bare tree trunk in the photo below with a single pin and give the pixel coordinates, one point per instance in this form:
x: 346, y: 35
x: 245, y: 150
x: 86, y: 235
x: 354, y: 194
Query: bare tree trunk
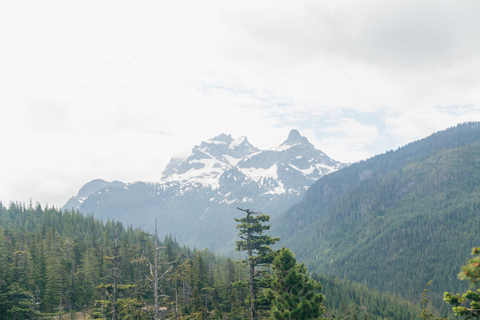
x: 206, y: 307
x: 116, y: 260
x: 156, y: 272
x: 253, y: 304
x: 176, y: 301
x: 60, y: 306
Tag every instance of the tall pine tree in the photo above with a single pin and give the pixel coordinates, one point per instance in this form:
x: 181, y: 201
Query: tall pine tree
x: 257, y: 245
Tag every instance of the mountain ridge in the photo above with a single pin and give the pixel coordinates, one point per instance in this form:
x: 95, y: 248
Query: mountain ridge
x: 396, y: 220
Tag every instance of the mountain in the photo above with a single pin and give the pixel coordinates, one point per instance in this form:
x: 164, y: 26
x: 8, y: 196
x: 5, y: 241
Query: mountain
x: 89, y: 188
x: 197, y: 196
x: 397, y: 220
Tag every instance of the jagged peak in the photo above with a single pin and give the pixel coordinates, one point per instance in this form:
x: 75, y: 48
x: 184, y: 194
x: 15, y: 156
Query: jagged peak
x: 242, y: 141
x: 223, y: 138
x: 294, y: 137
x: 223, y: 149
x: 239, y: 140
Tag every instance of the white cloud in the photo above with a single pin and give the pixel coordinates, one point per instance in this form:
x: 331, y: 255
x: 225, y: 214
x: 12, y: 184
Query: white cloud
x: 412, y: 124
x: 113, y: 89
x: 349, y: 140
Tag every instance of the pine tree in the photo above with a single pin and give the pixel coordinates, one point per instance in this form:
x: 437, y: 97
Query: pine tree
x: 471, y: 272
x: 54, y: 286
x: 19, y: 303
x: 4, y: 271
x: 257, y: 246
x: 294, y: 294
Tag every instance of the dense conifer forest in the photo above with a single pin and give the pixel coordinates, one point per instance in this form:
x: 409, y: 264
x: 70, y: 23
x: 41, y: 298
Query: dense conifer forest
x: 63, y: 264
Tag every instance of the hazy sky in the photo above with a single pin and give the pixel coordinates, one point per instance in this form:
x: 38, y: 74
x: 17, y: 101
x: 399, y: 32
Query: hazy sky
x: 113, y: 89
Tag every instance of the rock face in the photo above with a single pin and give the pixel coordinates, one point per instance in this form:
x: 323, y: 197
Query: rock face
x: 196, y: 198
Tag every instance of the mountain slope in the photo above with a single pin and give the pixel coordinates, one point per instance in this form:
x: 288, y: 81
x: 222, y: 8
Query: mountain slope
x: 196, y: 198
x: 397, y: 220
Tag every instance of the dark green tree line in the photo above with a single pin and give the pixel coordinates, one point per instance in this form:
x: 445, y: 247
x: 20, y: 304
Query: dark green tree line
x: 53, y: 263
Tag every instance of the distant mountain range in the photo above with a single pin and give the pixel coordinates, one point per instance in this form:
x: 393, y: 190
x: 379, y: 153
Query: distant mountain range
x: 196, y: 198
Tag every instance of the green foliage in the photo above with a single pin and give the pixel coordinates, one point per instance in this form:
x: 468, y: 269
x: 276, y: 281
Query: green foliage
x: 468, y: 304
x: 132, y: 309
x: 294, y: 295
x: 19, y: 303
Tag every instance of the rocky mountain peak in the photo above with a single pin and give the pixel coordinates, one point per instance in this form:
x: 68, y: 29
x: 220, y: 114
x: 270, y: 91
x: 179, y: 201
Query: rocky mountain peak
x: 208, y: 160
x: 224, y: 145
x: 294, y: 138
x: 221, y: 139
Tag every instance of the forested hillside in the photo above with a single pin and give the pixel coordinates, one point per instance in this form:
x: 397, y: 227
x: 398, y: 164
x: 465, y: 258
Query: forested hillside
x: 62, y: 263
x: 397, y: 220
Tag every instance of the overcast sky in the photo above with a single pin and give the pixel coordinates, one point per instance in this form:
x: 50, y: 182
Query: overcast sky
x: 113, y: 89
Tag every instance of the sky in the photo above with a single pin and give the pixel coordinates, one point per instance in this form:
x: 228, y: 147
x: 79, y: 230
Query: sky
x: 113, y: 89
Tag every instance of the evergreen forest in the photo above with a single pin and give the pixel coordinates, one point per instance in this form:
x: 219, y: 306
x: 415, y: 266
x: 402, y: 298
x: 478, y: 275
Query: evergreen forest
x: 56, y: 264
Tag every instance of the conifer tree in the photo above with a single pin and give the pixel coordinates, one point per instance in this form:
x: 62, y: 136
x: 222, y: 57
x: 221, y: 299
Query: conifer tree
x: 471, y: 272
x: 19, y: 303
x: 294, y: 294
x: 4, y: 268
x: 3, y: 261
x: 54, y: 285
x: 155, y: 280
x: 89, y: 274
x: 257, y: 246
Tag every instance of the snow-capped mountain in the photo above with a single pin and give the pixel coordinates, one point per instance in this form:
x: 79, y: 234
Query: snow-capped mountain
x: 196, y: 198
x: 235, y: 168
x: 207, y: 162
